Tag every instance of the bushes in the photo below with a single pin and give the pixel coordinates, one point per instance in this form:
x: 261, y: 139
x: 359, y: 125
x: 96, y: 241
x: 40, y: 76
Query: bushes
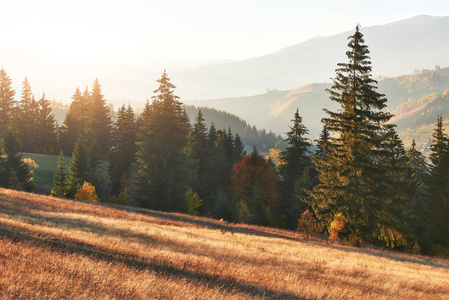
x: 87, y: 192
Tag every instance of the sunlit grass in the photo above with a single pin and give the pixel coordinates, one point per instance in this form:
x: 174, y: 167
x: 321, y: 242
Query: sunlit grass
x: 53, y: 248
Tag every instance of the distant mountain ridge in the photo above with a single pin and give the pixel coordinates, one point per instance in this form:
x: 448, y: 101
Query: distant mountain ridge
x: 275, y: 109
x: 396, y: 48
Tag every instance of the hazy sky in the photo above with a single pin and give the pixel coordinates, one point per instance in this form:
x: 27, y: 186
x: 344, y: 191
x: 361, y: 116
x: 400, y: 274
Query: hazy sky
x: 134, y: 31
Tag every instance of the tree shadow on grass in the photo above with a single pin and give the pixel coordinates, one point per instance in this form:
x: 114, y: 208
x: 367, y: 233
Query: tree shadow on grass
x: 138, y: 263
x: 389, y: 254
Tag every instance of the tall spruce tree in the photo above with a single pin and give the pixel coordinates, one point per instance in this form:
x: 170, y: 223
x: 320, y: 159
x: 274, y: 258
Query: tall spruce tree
x: 7, y: 102
x: 99, y: 123
x: 123, y: 151
x: 197, y: 153
x: 46, y: 125
x: 294, y: 160
x: 438, y: 186
x: 162, y: 177
x: 355, y: 175
x: 60, y: 178
x: 78, y: 169
x: 75, y: 121
x: 26, y: 118
x: 14, y: 172
x: 415, y: 210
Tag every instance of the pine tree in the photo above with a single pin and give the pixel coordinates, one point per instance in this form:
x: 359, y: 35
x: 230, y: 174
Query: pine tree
x: 78, y: 169
x: 123, y: 151
x: 197, y: 153
x: 355, y: 174
x: 294, y: 160
x: 46, y: 126
x: 324, y: 138
x: 76, y: 119
x: 60, y: 178
x: 99, y: 122
x: 417, y: 173
x: 15, y: 173
x: 438, y: 187
x: 7, y: 102
x: 162, y: 176
x: 26, y: 118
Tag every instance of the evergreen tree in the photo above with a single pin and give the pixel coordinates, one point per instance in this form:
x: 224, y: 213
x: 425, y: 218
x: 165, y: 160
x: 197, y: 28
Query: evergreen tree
x: 78, y: 169
x: 355, y: 175
x: 161, y: 177
x: 15, y: 173
x: 26, y: 118
x: 294, y: 160
x: 238, y: 149
x: 123, y: 151
x: 99, y: 122
x: 75, y: 122
x: 60, y: 178
x: 417, y: 173
x: 46, y: 127
x: 324, y: 138
x: 438, y: 187
x: 7, y: 102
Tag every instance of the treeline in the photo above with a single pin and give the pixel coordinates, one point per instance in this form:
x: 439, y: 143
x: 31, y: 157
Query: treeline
x: 359, y: 185
x: 250, y: 135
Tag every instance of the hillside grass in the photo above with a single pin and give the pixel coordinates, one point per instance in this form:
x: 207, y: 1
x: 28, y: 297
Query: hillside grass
x: 43, y: 176
x: 54, y: 248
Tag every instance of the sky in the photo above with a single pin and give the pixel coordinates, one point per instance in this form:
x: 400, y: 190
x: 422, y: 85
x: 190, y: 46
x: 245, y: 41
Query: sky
x: 133, y: 32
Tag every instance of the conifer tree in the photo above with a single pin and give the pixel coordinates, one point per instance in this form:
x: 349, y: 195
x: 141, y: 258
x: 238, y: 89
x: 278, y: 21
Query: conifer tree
x: 15, y: 173
x: 78, y: 169
x: 75, y: 122
x: 355, y: 175
x: 417, y: 173
x: 123, y: 151
x: 294, y: 160
x: 99, y: 122
x: 7, y: 102
x: 324, y: 138
x: 26, y: 118
x: 60, y: 178
x: 46, y: 126
x: 438, y: 186
x: 162, y: 177
x: 197, y: 153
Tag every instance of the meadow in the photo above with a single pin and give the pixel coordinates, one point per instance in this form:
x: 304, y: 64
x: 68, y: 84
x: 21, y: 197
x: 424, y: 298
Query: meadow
x: 55, y: 248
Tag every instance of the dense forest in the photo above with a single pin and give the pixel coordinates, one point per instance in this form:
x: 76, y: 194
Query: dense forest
x: 356, y: 183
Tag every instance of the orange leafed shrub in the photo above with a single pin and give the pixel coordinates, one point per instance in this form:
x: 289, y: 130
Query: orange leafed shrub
x: 336, y: 227
x: 307, y: 223
x: 87, y: 192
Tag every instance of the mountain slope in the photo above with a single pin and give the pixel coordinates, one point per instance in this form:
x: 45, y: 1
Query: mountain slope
x: 275, y: 109
x: 54, y: 248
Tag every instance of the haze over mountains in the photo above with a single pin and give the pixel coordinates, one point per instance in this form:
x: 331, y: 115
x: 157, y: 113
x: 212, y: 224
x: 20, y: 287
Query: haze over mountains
x: 396, y: 48
x: 265, y: 91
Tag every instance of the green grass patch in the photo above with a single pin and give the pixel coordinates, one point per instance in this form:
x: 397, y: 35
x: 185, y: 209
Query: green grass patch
x: 43, y: 176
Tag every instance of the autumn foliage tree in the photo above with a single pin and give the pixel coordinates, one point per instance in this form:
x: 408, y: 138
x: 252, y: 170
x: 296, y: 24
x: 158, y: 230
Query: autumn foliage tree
x: 87, y: 192
x: 253, y: 178
x: 307, y: 223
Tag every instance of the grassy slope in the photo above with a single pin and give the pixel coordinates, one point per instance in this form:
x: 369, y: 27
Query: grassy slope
x: 43, y: 176
x: 53, y: 248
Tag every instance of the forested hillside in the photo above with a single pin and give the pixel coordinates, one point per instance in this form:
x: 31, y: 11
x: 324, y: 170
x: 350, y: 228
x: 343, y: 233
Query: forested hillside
x: 356, y: 182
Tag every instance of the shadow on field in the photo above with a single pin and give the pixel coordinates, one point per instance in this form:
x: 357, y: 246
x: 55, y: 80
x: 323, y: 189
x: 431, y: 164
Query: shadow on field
x: 138, y: 263
x: 401, y: 257
x: 224, y: 227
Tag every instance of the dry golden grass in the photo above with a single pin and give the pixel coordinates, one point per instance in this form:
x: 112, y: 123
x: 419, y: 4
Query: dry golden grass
x: 53, y: 248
